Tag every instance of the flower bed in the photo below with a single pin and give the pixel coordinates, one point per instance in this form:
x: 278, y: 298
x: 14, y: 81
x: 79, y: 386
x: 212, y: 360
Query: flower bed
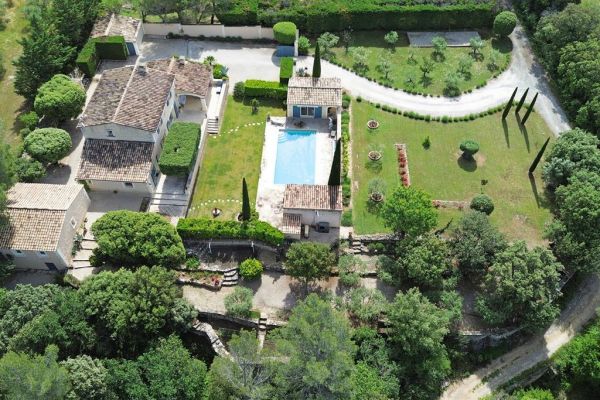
x: 403, y: 164
x: 209, y: 280
x: 372, y: 124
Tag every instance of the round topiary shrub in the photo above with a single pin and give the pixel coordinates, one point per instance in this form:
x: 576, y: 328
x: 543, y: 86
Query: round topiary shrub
x: 482, y: 203
x: 48, y: 145
x: 285, y: 32
x: 505, y: 23
x: 59, y: 99
x: 251, y: 268
x: 469, y: 148
x: 303, y: 45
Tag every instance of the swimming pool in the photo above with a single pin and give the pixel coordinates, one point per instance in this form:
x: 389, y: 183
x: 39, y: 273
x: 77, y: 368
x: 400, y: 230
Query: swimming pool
x: 295, y: 161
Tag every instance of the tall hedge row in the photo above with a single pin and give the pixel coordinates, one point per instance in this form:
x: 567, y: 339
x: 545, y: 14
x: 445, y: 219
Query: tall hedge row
x: 102, y: 48
x: 269, y: 89
x: 286, y: 69
x: 204, y: 228
x: 180, y: 149
x: 322, y: 16
x: 87, y: 59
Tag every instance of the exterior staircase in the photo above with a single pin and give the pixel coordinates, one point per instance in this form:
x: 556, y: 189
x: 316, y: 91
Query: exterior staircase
x: 262, y: 330
x: 212, y: 126
x: 169, y: 204
x: 230, y: 277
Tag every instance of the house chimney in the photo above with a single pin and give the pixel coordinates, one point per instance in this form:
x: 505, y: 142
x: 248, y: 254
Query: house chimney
x: 141, y: 68
x: 181, y: 60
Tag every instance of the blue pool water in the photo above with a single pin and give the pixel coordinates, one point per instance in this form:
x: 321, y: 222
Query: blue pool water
x: 295, y: 161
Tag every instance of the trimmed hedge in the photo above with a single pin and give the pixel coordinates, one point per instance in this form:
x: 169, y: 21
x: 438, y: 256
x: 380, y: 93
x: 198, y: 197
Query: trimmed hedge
x: 285, y: 32
x: 204, y: 228
x: 327, y: 15
x: 286, y: 69
x: 111, y: 48
x: 270, y: 89
x: 87, y: 59
x: 180, y: 149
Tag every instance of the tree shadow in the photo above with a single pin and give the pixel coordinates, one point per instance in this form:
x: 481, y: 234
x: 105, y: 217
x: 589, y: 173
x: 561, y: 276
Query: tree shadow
x: 374, y: 207
x: 505, y: 129
x: 425, y: 81
x: 438, y: 57
x: 524, y: 132
x: 467, y: 165
x: 504, y: 45
x: 534, y: 189
x: 374, y: 166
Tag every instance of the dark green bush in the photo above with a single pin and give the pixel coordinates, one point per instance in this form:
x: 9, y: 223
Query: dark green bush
x: 204, y: 228
x: 48, y: 145
x: 251, y: 268
x: 303, y: 45
x: 347, y: 218
x: 270, y: 89
x: 180, y: 149
x: 286, y: 69
x: 482, y: 203
x: 469, y: 148
x: 59, y: 99
x: 111, y: 48
x: 505, y: 23
x: 239, y: 12
x: 238, y: 90
x: 29, y: 170
x: 285, y: 32
x: 87, y: 59
x: 29, y: 120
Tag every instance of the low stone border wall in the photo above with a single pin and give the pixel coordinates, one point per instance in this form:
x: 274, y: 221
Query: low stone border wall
x: 194, y: 282
x: 460, y: 205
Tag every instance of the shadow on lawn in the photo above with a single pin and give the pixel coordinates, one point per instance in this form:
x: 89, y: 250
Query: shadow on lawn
x: 467, y: 165
x: 505, y: 129
x: 524, y: 132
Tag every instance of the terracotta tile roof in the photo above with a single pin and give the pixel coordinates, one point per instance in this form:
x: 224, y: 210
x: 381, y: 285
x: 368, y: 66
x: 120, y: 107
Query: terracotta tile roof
x: 43, y: 196
x: 36, y: 214
x: 190, y: 77
x: 314, y: 91
x: 130, y: 97
x: 116, y: 25
x: 313, y: 197
x: 291, y: 224
x: 115, y: 160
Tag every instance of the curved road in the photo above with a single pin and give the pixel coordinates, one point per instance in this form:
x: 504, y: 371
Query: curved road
x: 538, y: 349
x: 524, y: 72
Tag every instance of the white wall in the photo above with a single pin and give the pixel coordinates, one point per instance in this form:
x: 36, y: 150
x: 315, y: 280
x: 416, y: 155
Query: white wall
x: 109, y: 186
x: 33, y: 260
x: 246, y: 32
x: 311, y: 217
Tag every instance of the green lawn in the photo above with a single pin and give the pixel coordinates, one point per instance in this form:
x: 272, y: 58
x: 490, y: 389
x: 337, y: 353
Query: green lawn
x: 230, y: 156
x: 503, y: 160
x: 11, y: 103
x: 402, y: 67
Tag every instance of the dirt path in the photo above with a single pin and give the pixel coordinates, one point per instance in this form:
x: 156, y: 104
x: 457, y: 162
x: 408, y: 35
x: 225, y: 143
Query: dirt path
x: 541, y: 347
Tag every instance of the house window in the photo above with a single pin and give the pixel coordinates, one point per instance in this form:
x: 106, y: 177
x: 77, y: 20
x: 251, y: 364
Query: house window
x: 18, y: 253
x: 51, y: 266
x: 42, y: 254
x: 128, y: 184
x: 73, y: 222
x: 110, y: 133
x: 307, y: 111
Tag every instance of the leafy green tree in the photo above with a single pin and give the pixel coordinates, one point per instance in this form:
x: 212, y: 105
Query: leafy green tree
x: 476, y: 45
x: 532, y: 394
x: 131, y: 239
x: 316, y: 69
x: 494, y: 60
x: 239, y: 302
x: 7, y: 175
x: 426, y: 66
x: 439, y: 47
x: 423, y: 261
x: 384, y: 65
x: 64, y: 324
x: 326, y: 42
x: 465, y: 64
x: 366, y: 383
x: 125, y: 380
x: 391, y: 38
x: 246, y: 375
x: 171, y: 372
x: 21, y: 305
x: 48, y: 145
x: 509, y: 104
x: 44, y: 55
x: 131, y: 308
x: 246, y: 212
x: 6, y: 269
x: 88, y: 378
x: 308, y: 261
x: 474, y: 244
x: 521, y: 287
x: 416, y: 332
x: 29, y: 170
x: 409, y: 211
x: 59, y: 99
x: 482, y: 203
x: 505, y: 23
x: 538, y: 157
x: 360, y: 57
x: 350, y: 268
x: 317, y: 342
x: 452, y: 82
x: 73, y: 19
x: 34, y: 378
x: 573, y: 151
x: 366, y: 305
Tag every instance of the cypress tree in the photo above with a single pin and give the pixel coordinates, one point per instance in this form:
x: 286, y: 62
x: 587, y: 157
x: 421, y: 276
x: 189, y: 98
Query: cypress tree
x: 245, y: 201
x: 316, y: 72
x: 537, y: 159
x: 529, y: 109
x: 510, y: 103
x: 521, y: 102
x: 335, y: 174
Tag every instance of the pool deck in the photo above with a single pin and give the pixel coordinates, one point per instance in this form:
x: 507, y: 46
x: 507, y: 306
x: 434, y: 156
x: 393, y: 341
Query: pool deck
x: 269, y: 196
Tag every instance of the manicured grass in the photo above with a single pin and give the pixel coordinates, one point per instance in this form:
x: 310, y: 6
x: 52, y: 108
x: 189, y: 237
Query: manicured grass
x: 505, y: 155
x: 230, y: 156
x: 10, y: 102
x: 402, y: 67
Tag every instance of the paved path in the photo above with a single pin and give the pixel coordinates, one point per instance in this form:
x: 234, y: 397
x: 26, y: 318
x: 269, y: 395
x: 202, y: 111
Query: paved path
x: 538, y: 349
